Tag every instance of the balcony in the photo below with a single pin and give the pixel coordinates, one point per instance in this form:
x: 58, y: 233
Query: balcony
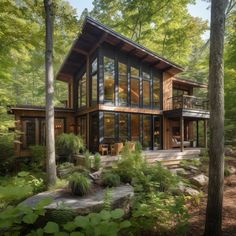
x: 187, y: 106
x: 187, y: 102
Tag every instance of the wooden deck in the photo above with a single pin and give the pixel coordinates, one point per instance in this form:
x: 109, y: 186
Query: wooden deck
x: 166, y: 157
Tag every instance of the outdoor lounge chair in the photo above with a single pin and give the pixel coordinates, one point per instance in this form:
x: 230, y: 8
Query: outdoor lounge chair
x: 176, y: 143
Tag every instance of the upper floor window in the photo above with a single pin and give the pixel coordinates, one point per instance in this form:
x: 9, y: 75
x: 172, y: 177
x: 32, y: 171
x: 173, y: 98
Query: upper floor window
x: 94, y: 74
x: 146, y: 89
x: 82, y: 91
x: 109, y: 80
x: 156, y: 92
x: 123, y: 83
x: 134, y: 86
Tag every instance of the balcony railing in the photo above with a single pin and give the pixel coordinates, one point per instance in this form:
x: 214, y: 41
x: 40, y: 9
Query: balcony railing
x: 187, y: 102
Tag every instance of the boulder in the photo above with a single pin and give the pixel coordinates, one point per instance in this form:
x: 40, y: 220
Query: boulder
x: 230, y: 152
x: 200, y: 180
x: 121, y: 198
x: 232, y: 170
x: 191, y: 192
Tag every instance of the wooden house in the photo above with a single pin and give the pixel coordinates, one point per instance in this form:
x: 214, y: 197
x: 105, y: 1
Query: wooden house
x: 119, y: 90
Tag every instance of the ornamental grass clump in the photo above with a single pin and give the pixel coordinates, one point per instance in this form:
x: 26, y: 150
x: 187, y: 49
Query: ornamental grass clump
x: 79, y: 184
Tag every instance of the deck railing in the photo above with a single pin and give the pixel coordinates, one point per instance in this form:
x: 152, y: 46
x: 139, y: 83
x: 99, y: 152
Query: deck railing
x: 187, y: 102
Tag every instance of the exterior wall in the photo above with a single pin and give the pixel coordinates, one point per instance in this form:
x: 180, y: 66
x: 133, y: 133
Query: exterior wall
x: 21, y: 114
x: 167, y: 91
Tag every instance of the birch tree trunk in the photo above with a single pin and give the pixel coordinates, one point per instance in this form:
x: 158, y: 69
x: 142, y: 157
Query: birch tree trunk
x: 50, y: 138
x: 216, y: 97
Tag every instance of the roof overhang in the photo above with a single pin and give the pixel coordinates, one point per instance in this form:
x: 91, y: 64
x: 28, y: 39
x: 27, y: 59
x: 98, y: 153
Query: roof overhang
x: 93, y: 35
x: 180, y: 81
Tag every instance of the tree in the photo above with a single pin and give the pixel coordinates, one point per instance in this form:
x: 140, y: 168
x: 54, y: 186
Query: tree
x: 164, y: 26
x: 216, y: 97
x: 50, y: 137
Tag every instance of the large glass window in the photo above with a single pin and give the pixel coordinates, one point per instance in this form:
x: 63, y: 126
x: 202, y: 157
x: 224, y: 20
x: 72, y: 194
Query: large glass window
x: 123, y: 127
x: 146, y: 89
x: 82, y: 128
x: 123, y: 83
x: 157, y: 133
x: 134, y: 86
x: 82, y: 91
x: 135, y: 127
x: 156, y: 92
x: 109, y: 125
x: 146, y: 131
x: 109, y: 80
x: 94, y: 81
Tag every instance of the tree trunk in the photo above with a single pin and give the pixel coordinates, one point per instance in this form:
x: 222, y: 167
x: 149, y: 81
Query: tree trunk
x: 50, y: 138
x: 216, y: 144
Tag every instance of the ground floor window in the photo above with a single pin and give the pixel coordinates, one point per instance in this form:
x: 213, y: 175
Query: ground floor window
x: 34, y: 131
x: 82, y: 127
x: 122, y: 127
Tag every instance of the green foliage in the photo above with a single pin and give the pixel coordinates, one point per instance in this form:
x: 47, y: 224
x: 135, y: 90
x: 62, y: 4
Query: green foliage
x: 14, y: 220
x: 19, y: 187
x: 65, y: 169
x: 88, y: 160
x: 97, y: 161
x: 79, y: 184
x: 38, y: 153
x: 108, y: 199
x: 22, y: 220
x: 110, y: 179
x: 105, y: 223
x: 69, y: 144
x: 7, y: 160
x: 160, y: 213
x: 129, y: 164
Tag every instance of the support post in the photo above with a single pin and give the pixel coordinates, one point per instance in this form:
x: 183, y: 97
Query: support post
x: 182, y: 133
x: 197, y: 134
x: 205, y: 133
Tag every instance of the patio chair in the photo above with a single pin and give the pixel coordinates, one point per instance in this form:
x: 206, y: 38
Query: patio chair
x: 116, y: 148
x: 103, y: 148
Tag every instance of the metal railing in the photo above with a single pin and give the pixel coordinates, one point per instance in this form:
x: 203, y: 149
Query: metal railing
x: 187, y: 102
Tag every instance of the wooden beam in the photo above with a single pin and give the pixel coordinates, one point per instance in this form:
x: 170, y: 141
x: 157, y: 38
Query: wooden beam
x: 197, y: 134
x: 144, y: 57
x: 98, y: 43
x: 120, y: 45
x: 182, y: 133
x: 87, y: 82
x: 205, y: 133
x: 80, y: 51
x: 155, y: 63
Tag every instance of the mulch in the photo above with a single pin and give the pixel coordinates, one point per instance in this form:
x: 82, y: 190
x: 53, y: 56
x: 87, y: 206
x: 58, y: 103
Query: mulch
x: 197, y: 220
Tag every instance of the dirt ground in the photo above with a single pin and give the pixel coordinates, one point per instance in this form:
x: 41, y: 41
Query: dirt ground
x: 197, y: 219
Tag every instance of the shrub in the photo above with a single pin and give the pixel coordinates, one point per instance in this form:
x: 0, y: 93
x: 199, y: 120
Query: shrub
x: 159, y: 213
x: 23, y: 220
x: 130, y: 164
x: 97, y: 161
x: 7, y: 158
x: 38, y: 153
x: 79, y: 184
x: 68, y: 145
x: 17, y: 188
x: 110, y: 179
